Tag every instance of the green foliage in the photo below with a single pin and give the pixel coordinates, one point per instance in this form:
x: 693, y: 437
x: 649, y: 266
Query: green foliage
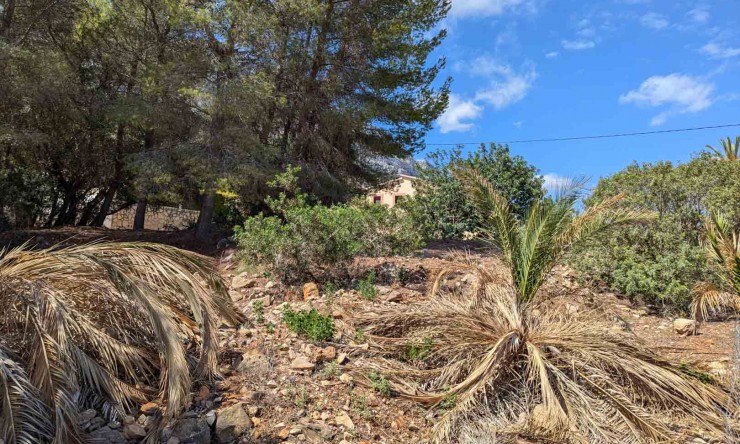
x: 659, y: 263
x: 448, y: 402
x: 419, y: 350
x: 259, y: 310
x: 379, y: 383
x: 302, y: 240
x: 366, y: 287
x: 443, y: 210
x: 309, y: 323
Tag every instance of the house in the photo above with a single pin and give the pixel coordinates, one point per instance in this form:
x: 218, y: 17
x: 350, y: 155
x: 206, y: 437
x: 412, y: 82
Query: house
x: 394, y: 191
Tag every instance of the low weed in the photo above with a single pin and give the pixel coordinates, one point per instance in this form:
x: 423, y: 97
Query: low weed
x: 258, y: 307
x: 311, y: 324
x: 366, y: 287
x: 379, y: 383
x: 419, y: 350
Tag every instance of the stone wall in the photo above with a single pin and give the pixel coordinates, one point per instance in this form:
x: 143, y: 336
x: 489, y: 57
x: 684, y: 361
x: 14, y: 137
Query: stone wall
x: 157, y: 218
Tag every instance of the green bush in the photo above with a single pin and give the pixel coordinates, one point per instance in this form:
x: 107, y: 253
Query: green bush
x: 442, y: 210
x: 366, y: 287
x: 302, y: 240
x: 658, y: 264
x: 309, y: 323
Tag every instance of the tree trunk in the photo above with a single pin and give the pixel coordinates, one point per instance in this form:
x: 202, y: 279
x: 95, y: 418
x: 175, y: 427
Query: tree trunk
x: 6, y: 19
x: 110, y: 194
x: 140, y: 215
x: 87, y: 212
x: 207, y: 209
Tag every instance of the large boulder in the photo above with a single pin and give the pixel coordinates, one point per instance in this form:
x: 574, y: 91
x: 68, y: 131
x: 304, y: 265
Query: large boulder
x: 684, y: 327
x: 242, y: 281
x: 231, y: 423
x: 107, y: 435
x: 310, y: 291
x: 192, y: 431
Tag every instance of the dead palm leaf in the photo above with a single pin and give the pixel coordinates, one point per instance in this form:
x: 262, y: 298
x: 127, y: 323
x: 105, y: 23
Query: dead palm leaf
x: 103, y: 322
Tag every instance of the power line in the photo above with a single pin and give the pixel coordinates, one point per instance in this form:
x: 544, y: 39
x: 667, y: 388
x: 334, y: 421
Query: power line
x: 603, y: 136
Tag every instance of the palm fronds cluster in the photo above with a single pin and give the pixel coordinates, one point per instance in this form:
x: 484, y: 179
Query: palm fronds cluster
x: 723, y: 250
x: 730, y: 149
x: 504, y: 363
x: 102, y: 325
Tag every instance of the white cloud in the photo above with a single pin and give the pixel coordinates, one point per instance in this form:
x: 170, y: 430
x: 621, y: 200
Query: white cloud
x: 506, y: 85
x: 577, y: 45
x: 517, y: 124
x: 552, y: 55
x: 654, y: 21
x: 488, y: 8
x: 681, y: 92
x: 717, y: 51
x: 457, y: 111
x: 554, y: 182
x: 699, y: 14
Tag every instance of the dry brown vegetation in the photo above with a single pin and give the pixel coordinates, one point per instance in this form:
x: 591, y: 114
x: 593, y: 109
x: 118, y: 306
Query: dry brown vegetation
x: 107, y: 325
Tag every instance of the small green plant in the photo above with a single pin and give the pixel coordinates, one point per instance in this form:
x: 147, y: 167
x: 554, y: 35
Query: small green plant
x: 419, y: 350
x: 379, y: 383
x: 330, y: 288
x: 258, y: 307
x: 701, y: 376
x: 367, y: 287
x: 270, y: 328
x: 448, y: 402
x: 330, y: 370
x: 361, y: 407
x: 301, y: 398
x: 311, y: 324
x: 359, y: 335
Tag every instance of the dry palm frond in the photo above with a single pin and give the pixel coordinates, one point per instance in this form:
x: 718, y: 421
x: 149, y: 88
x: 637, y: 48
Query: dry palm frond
x: 553, y: 376
x: 723, y: 249
x: 102, y: 322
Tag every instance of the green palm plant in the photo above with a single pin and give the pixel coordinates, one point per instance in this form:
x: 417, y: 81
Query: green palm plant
x: 723, y: 249
x: 729, y: 149
x: 103, y: 325
x: 509, y: 363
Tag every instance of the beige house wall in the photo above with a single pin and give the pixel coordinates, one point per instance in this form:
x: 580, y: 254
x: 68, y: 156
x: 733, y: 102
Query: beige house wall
x: 157, y: 218
x: 392, y: 192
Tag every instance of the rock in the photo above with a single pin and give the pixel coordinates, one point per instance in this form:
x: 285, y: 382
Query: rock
x: 310, y: 291
x: 95, y: 424
x: 328, y: 353
x: 149, y: 408
x: 134, y: 431
x: 300, y: 364
x: 284, y: 433
x: 242, y: 281
x: 684, y: 327
x: 203, y: 393
x: 232, y: 423
x: 345, y: 378
x: 345, y: 421
x: 269, y: 285
x: 87, y: 415
x: 211, y: 418
x: 192, y: 431
x: 107, y: 435
x: 342, y: 358
x: 254, y: 363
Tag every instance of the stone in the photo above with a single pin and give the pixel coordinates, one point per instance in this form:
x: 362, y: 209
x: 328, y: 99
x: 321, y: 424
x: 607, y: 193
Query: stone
x: 284, y: 433
x: 134, y: 431
x: 203, y: 393
x: 242, y: 281
x: 211, y: 418
x: 345, y: 378
x: 192, y: 431
x: 345, y: 421
x: 254, y: 362
x: 684, y: 327
x: 328, y: 353
x: 87, y: 415
x: 310, y: 291
x: 232, y: 423
x: 342, y: 358
x: 301, y: 364
x: 107, y: 435
x: 269, y: 285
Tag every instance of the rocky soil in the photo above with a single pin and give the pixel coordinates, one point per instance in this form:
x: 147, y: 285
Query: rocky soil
x: 278, y: 387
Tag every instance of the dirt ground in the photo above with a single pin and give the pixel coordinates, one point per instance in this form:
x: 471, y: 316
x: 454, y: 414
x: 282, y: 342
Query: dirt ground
x: 295, y: 391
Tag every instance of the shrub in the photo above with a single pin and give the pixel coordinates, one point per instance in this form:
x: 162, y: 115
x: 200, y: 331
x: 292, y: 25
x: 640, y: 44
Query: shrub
x: 309, y: 323
x: 379, y: 383
x: 103, y: 326
x: 659, y: 263
x: 302, y: 240
x: 366, y: 287
x: 441, y: 208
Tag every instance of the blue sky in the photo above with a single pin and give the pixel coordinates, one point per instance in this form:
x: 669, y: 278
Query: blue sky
x: 527, y: 69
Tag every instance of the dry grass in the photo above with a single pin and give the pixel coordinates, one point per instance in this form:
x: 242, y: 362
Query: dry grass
x: 104, y: 325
